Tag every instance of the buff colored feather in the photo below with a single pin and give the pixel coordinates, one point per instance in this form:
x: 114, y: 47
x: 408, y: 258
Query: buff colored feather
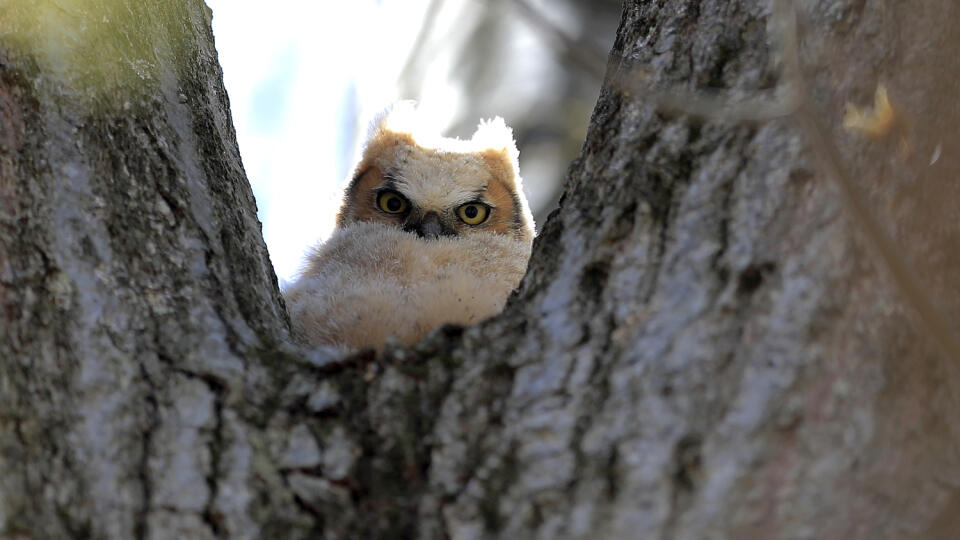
x: 401, y: 272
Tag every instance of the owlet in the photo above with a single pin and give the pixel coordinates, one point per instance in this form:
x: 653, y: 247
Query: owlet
x: 432, y: 230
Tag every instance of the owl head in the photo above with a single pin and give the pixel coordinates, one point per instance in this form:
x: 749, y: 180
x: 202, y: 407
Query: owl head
x: 435, y: 186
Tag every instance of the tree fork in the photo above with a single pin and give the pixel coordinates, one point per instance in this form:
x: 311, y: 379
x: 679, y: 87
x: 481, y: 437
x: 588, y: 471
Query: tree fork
x: 699, y: 349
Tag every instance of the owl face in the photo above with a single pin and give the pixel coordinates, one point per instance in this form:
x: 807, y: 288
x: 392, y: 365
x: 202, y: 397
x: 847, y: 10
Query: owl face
x: 444, y: 187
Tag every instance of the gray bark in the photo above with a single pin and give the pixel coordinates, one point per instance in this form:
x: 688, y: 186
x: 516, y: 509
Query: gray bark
x: 703, y: 346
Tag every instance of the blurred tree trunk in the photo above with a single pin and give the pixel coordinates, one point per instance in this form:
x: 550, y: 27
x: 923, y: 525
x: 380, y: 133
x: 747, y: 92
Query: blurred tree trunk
x: 700, y: 349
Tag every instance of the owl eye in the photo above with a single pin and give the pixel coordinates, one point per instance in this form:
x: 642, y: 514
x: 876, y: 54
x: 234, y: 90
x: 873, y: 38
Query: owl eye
x: 473, y: 213
x: 391, y: 202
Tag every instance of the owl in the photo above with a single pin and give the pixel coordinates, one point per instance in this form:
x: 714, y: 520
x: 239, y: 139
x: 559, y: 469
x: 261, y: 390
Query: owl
x: 432, y: 230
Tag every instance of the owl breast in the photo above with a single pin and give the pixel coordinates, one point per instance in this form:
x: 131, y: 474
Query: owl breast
x: 370, y: 282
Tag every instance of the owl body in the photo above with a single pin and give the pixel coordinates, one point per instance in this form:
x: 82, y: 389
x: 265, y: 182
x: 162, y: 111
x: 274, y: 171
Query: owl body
x: 431, y: 231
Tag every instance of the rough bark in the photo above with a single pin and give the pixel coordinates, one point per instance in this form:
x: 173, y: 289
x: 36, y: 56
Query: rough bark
x: 701, y: 348
x: 137, y: 299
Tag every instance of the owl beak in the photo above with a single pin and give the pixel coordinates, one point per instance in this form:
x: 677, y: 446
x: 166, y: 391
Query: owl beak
x: 431, y: 227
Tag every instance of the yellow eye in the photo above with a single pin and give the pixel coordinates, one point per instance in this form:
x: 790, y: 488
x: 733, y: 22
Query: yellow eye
x: 391, y: 202
x: 473, y: 213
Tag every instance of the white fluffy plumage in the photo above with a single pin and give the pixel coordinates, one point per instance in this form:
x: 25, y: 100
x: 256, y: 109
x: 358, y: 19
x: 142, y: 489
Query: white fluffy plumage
x: 370, y: 282
x: 400, y: 269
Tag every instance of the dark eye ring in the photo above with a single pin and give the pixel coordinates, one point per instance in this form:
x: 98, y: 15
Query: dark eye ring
x: 392, y: 202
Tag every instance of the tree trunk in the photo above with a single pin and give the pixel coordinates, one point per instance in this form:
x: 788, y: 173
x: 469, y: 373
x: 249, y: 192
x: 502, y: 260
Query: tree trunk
x: 703, y: 346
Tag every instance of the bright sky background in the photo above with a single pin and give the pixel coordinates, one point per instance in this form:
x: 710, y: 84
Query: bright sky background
x: 305, y: 78
x: 298, y: 74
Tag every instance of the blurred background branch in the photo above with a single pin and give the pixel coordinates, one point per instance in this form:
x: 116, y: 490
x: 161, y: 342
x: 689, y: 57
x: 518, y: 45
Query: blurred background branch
x: 302, y: 94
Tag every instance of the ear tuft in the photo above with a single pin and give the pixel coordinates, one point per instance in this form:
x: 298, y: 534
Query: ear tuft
x: 400, y: 117
x: 496, y: 135
x: 404, y: 120
x: 390, y: 132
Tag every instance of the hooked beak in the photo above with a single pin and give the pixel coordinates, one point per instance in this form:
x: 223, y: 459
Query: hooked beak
x: 430, y: 226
